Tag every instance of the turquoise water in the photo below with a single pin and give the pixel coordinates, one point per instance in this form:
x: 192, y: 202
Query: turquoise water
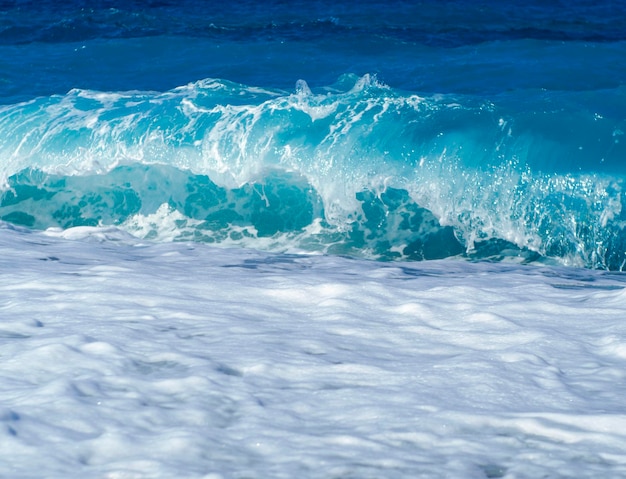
x: 402, y: 130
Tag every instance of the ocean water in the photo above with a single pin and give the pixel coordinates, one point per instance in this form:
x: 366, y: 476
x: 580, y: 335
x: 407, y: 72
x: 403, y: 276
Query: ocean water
x: 384, y: 130
x: 320, y: 239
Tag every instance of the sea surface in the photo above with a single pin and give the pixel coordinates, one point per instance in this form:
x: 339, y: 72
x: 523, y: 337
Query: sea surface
x: 318, y: 239
x: 383, y: 130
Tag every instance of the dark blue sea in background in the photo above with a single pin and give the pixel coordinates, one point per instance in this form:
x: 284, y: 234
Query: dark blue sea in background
x: 379, y: 129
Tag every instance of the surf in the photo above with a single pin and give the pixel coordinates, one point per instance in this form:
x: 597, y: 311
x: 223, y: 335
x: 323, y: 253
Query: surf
x: 356, y: 167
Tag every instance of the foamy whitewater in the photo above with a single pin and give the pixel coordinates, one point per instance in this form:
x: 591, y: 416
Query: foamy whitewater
x: 122, y: 359
x: 316, y: 239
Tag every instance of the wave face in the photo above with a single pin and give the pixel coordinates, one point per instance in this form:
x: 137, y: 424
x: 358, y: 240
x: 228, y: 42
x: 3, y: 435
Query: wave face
x: 356, y: 167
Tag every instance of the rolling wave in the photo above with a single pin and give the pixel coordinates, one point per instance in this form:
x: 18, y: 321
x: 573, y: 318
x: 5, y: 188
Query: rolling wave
x: 353, y: 168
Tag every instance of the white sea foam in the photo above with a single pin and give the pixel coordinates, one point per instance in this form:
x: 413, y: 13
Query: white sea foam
x: 137, y: 360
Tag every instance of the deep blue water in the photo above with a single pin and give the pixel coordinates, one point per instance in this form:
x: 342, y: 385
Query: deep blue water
x: 392, y: 130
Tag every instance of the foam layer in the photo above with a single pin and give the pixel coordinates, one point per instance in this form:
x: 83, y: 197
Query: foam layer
x: 124, y: 359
